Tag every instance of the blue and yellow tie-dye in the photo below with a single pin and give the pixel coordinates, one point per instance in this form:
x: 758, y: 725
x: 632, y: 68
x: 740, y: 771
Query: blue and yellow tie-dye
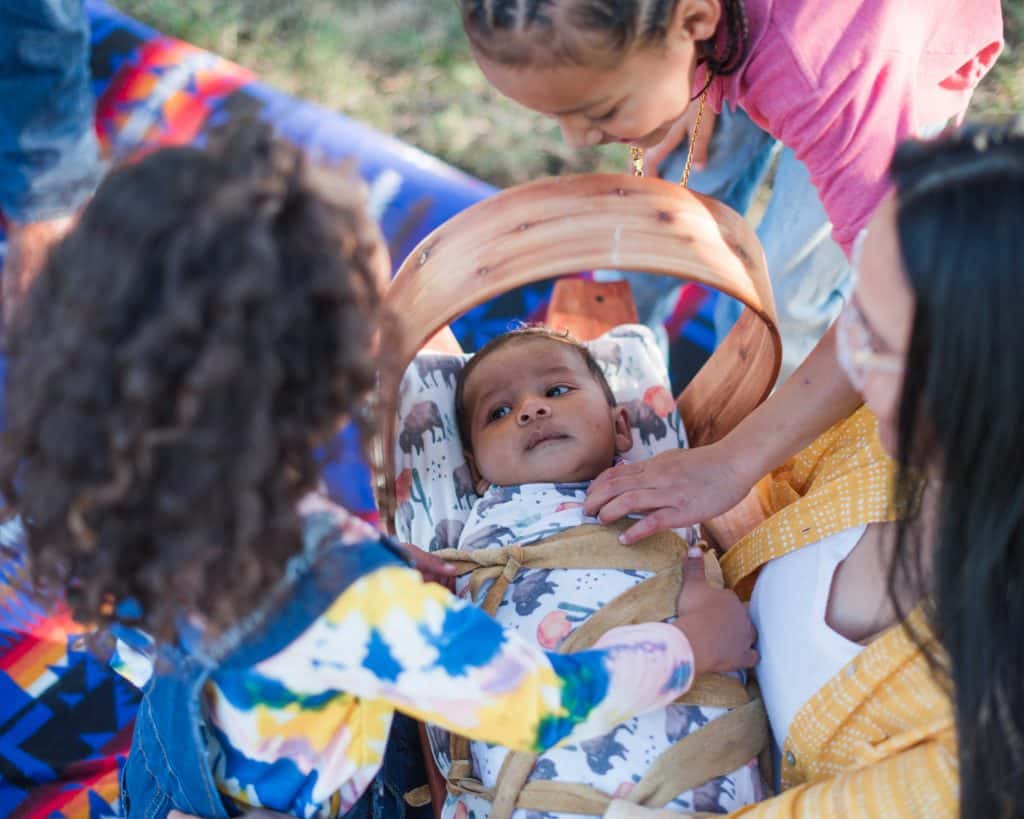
x: 304, y: 731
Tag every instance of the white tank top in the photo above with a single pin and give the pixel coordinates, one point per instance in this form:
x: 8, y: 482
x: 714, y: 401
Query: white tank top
x: 800, y: 652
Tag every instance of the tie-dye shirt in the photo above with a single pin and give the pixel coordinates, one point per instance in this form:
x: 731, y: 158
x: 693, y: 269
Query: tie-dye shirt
x: 304, y: 731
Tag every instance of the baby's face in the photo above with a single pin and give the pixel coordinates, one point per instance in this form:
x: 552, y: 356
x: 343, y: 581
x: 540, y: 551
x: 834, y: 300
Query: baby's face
x: 537, y: 415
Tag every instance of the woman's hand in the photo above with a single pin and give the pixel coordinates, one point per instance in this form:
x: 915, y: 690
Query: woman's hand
x: 684, y: 487
x: 715, y: 622
x: 673, y: 489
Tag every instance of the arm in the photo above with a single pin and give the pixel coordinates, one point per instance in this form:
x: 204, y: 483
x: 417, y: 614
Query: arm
x: 392, y: 637
x: 49, y: 155
x: 684, y: 487
x: 815, y: 397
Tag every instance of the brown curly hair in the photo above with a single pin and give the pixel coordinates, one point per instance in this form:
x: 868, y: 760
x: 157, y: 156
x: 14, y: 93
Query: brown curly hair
x: 183, y: 354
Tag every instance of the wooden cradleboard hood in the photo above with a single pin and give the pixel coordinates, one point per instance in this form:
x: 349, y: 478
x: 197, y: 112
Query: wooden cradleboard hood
x: 561, y: 225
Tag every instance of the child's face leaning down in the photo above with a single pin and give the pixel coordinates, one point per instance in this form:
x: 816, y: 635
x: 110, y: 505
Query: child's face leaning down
x: 537, y: 415
x: 636, y: 97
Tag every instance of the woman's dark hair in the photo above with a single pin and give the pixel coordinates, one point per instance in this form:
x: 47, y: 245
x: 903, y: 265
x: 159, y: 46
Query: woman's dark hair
x: 184, y: 352
x: 556, y: 32
x: 960, y: 221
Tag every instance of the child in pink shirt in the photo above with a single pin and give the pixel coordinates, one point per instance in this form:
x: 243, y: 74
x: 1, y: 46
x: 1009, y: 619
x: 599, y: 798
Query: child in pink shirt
x: 839, y: 84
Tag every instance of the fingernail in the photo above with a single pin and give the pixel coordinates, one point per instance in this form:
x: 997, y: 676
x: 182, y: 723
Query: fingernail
x: 694, y: 551
x: 622, y: 540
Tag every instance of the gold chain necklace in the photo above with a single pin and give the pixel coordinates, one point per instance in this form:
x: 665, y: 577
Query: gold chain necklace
x: 636, y: 154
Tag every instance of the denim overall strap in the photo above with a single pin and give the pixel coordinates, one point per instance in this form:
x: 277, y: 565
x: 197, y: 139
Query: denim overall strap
x: 168, y: 767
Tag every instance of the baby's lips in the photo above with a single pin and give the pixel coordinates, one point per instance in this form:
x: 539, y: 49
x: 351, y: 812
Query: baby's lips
x: 540, y: 436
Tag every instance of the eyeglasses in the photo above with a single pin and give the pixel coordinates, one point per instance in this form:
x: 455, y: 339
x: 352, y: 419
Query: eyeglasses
x: 854, y: 338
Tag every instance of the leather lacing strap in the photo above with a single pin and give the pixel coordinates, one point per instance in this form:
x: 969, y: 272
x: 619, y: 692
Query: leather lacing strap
x: 718, y: 748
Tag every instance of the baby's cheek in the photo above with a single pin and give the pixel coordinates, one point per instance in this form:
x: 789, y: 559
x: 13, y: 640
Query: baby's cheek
x: 496, y: 465
x: 602, y: 434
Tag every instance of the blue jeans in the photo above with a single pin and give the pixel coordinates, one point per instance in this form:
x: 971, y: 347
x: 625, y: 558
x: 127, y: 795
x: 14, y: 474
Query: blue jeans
x: 49, y: 156
x: 809, y: 272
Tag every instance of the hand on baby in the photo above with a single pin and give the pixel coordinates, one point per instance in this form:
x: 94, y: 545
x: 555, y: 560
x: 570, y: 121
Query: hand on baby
x: 673, y: 489
x: 715, y: 622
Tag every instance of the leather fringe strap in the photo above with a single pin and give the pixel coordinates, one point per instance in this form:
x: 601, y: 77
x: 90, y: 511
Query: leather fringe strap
x: 716, y: 749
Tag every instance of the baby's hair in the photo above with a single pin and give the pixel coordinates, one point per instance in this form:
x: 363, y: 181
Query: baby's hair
x: 544, y: 33
x: 178, y: 368
x: 528, y: 332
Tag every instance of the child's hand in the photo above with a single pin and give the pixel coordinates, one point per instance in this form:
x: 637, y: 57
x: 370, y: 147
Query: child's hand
x: 715, y: 622
x: 433, y: 569
x: 680, y: 131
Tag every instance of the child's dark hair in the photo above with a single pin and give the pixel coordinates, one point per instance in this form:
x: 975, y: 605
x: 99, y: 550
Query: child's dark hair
x: 544, y: 33
x: 181, y: 357
x: 520, y: 334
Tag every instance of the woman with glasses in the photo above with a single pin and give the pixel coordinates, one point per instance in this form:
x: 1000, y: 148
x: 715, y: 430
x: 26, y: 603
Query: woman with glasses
x: 887, y: 582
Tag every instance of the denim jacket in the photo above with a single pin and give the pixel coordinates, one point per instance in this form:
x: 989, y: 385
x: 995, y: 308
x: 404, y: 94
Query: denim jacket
x: 168, y: 766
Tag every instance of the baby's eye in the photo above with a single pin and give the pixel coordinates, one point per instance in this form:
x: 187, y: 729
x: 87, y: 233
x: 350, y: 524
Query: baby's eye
x: 554, y: 392
x: 498, y: 413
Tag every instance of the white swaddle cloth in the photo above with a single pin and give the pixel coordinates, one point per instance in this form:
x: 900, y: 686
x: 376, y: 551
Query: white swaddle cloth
x: 546, y: 605
x: 524, y: 514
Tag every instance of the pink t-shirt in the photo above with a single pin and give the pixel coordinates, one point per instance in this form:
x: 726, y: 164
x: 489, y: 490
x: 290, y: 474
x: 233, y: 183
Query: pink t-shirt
x: 842, y: 83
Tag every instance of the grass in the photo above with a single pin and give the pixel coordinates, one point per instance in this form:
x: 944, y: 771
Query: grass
x: 403, y: 67
x: 1002, y: 93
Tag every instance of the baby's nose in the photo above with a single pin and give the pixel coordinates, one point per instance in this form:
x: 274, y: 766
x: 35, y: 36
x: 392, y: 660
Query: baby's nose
x: 531, y: 410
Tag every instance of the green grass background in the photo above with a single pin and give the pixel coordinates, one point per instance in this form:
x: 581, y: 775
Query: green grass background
x: 403, y: 67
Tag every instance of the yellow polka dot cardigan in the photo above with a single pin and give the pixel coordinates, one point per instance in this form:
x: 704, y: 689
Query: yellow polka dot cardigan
x: 878, y: 740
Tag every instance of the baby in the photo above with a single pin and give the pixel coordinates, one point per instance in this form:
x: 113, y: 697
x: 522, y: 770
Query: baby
x: 536, y: 416
x: 538, y: 421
